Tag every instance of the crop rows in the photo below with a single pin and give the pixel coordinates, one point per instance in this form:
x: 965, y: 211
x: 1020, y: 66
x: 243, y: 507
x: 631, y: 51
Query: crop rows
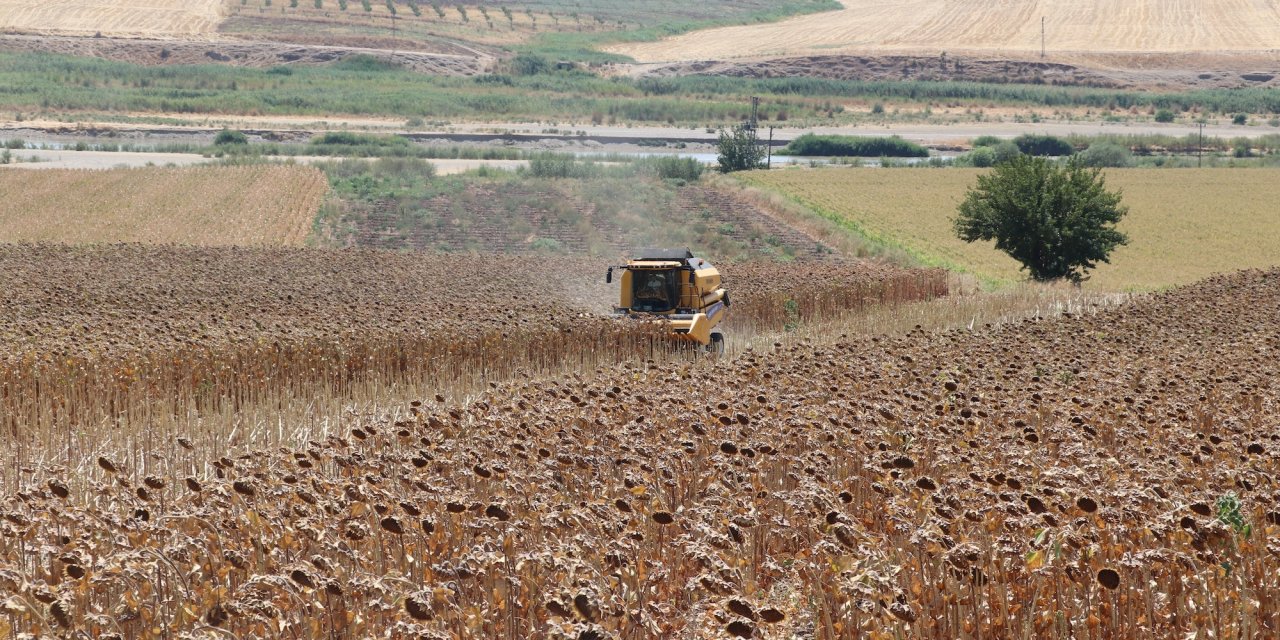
x: 209, y: 206
x: 566, y: 218
x: 1089, y: 27
x: 1086, y: 477
x: 124, y: 348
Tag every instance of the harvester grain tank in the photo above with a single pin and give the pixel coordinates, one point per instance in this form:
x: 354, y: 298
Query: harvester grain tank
x: 675, y: 286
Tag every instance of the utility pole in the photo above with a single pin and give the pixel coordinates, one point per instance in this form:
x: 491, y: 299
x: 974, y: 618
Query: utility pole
x: 755, y: 109
x: 769, y: 164
x: 1200, y: 149
x: 1041, y: 37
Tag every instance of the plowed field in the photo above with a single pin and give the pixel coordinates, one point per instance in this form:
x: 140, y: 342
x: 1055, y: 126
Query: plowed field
x: 113, y: 17
x: 1009, y: 26
x: 1109, y: 475
x: 208, y: 206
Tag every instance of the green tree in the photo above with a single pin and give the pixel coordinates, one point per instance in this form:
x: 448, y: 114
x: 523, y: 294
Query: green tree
x: 1058, y: 221
x: 739, y: 150
x: 1035, y: 144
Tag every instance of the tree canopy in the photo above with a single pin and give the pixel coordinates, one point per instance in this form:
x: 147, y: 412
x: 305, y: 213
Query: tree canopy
x: 739, y: 150
x: 1057, y: 220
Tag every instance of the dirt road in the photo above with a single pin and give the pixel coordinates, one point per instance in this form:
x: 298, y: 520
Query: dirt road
x: 63, y: 159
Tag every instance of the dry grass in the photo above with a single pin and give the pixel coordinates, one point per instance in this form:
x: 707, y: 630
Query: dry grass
x: 1082, y: 477
x: 112, y: 17
x: 207, y: 206
x: 917, y: 26
x: 1183, y: 225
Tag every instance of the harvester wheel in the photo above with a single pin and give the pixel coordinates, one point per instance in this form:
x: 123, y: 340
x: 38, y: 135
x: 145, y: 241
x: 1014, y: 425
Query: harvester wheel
x: 717, y: 343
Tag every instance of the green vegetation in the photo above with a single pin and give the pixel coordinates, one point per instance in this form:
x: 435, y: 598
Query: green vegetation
x: 1034, y: 144
x: 558, y: 205
x: 563, y: 165
x: 992, y: 152
x: 739, y: 150
x: 831, y: 145
x: 1105, y: 154
x: 230, y: 136
x: 361, y: 85
x: 1057, y: 221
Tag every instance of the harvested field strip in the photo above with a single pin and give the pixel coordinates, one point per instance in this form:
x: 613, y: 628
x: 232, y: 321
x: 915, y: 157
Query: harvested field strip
x: 748, y: 223
x: 1093, y: 26
x: 118, y: 348
x: 208, y: 206
x: 1183, y: 224
x: 1083, y: 477
x: 113, y: 17
x: 608, y: 218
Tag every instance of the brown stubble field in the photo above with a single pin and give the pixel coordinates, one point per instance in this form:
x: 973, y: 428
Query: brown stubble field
x: 1084, y: 477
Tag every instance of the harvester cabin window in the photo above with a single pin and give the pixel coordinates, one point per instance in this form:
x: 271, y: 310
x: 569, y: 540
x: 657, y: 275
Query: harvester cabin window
x: 654, y: 290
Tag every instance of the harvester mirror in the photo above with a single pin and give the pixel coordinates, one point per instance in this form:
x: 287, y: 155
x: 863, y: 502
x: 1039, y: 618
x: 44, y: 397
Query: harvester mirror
x: 693, y: 277
x: 608, y: 276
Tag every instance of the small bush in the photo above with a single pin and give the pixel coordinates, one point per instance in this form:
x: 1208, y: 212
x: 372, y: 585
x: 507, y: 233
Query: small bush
x: 1006, y: 151
x: 1106, y: 154
x: 351, y: 138
x: 560, y: 165
x: 687, y: 169
x: 230, y: 136
x: 980, y: 157
x: 1034, y: 144
x: 1240, y: 119
x: 1164, y: 115
x: 365, y: 64
x: 546, y: 245
x: 864, y: 147
x: 987, y: 141
x: 528, y: 64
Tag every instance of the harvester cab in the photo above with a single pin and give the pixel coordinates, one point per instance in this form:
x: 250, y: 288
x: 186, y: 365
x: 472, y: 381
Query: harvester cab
x: 673, y: 285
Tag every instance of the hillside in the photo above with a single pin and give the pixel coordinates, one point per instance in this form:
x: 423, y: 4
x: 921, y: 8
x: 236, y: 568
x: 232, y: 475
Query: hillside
x: 605, y: 218
x: 1011, y: 28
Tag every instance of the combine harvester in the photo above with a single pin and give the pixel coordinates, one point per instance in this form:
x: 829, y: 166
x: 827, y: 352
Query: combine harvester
x: 673, y: 286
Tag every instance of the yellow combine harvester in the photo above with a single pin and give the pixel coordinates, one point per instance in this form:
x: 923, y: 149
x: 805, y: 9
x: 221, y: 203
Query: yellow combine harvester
x: 673, y: 285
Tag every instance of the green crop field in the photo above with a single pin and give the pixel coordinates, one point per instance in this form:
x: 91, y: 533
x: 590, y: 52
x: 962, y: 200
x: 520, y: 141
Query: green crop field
x: 1183, y: 224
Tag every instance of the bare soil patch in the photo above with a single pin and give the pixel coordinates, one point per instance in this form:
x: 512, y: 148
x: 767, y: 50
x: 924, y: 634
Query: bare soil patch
x: 1204, y: 72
